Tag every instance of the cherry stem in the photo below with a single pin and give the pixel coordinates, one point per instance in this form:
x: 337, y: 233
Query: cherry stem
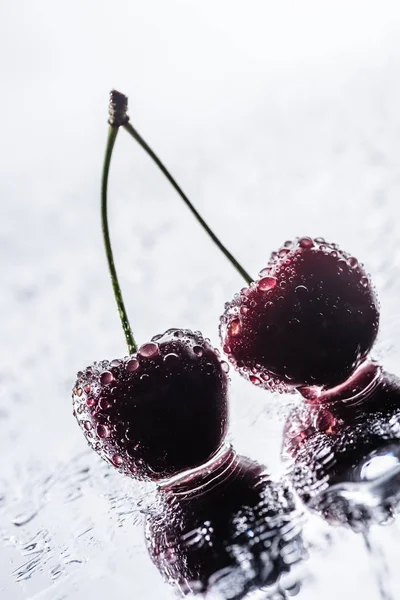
x: 132, y: 131
x: 112, y: 136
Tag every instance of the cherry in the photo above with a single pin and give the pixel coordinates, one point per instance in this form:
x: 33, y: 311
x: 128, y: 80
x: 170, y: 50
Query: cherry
x: 310, y: 318
x: 227, y: 531
x: 158, y: 412
x: 163, y: 409
x: 346, y: 450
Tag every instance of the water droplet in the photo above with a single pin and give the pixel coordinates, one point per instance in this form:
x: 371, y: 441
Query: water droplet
x: 132, y: 365
x: 117, y: 460
x: 116, y: 362
x: 264, y: 272
x: 87, y: 425
x: 145, y: 377
x: 352, y: 262
x: 225, y: 366
x: 103, y: 431
x: 306, y: 242
x: 234, y: 327
x: 266, y: 283
x: 283, y: 252
x: 209, y: 368
x: 171, y: 360
x: 104, y: 404
x: 79, y: 392
x: 150, y: 350
x: 255, y: 380
x: 198, y: 350
x: 106, y: 377
x: 227, y: 349
x: 364, y: 281
x: 301, y: 290
x: 90, y: 402
x: 320, y: 240
x: 179, y: 333
x: 87, y: 388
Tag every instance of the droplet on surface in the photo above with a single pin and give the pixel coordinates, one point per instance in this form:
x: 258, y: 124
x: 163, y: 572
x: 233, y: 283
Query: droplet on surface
x: 364, y: 281
x: 198, y: 350
x: 352, y: 262
x: 266, y: 283
x: 224, y: 366
x: 104, y: 404
x: 79, y: 392
x: 234, y: 327
x: 132, y: 365
x: 306, y: 242
x: 301, y: 290
x: 171, y: 360
x: 90, y: 402
x: 149, y: 350
x: 87, y: 425
x: 87, y: 388
x: 106, y: 377
x: 255, y: 380
x: 103, y: 431
x: 117, y: 460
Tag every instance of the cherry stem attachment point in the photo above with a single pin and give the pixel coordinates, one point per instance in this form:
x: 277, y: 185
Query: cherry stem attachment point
x: 112, y: 135
x: 136, y: 136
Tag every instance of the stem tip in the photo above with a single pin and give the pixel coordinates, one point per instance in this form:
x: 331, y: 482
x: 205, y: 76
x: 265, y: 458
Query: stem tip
x: 117, y: 109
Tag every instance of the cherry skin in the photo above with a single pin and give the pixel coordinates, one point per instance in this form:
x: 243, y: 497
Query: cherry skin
x: 158, y: 412
x: 227, y: 531
x: 346, y: 449
x: 309, y: 320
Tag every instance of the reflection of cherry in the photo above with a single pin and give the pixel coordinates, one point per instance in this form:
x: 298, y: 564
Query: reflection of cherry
x: 229, y: 530
x: 309, y: 319
x: 345, y: 442
x: 163, y: 409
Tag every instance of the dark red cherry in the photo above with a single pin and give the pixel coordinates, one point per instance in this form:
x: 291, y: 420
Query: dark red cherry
x: 226, y: 532
x: 158, y: 412
x: 309, y: 320
x: 346, y: 452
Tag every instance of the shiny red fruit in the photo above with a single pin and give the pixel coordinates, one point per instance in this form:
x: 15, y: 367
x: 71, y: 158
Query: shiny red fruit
x: 158, y: 412
x: 310, y: 318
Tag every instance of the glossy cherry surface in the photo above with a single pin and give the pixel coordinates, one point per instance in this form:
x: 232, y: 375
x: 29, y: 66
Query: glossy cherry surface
x: 158, y: 412
x: 309, y: 319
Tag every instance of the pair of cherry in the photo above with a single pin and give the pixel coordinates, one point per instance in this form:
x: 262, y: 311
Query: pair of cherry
x: 306, y: 323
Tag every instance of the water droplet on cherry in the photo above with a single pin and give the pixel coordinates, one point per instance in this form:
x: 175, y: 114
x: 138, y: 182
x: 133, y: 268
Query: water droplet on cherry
x: 149, y: 350
x: 132, y: 365
x: 266, y: 283
x: 106, y: 377
x: 103, y: 431
x: 234, y: 327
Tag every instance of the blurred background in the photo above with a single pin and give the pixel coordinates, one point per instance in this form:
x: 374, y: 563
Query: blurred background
x: 278, y: 119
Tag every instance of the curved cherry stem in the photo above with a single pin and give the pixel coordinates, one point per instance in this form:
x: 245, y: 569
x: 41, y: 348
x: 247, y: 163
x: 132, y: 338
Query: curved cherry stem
x: 112, y: 136
x: 132, y: 131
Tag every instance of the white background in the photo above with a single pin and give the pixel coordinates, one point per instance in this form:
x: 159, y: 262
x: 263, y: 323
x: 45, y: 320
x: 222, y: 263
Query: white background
x: 279, y: 119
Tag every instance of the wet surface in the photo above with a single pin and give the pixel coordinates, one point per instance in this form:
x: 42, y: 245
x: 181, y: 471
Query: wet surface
x: 272, y: 136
